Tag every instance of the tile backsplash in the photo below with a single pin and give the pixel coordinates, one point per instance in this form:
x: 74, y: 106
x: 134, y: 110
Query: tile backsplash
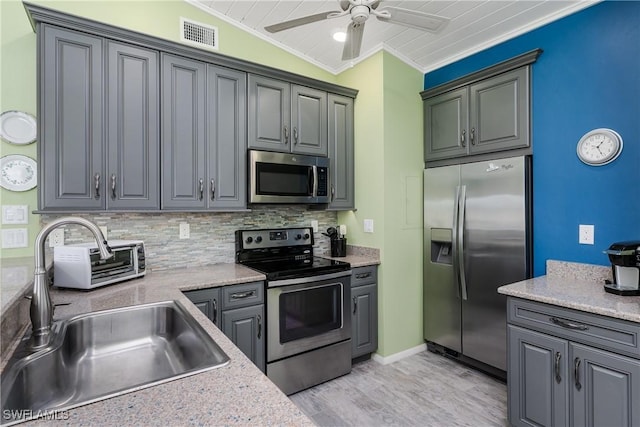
x: 212, y: 238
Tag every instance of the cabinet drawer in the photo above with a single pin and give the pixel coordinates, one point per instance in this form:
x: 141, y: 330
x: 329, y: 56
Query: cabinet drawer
x: 608, y: 333
x: 364, y: 275
x: 242, y: 295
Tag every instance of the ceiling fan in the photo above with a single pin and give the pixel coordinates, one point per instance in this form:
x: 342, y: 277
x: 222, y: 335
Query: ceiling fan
x: 360, y: 11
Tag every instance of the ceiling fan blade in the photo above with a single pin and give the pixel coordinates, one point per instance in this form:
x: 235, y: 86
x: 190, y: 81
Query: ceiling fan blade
x: 298, y: 22
x: 354, y: 41
x: 412, y: 18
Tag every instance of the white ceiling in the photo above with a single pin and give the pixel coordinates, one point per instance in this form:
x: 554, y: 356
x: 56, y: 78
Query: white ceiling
x: 474, y: 25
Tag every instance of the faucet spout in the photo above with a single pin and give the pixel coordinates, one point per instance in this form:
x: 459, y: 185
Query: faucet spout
x: 41, y: 310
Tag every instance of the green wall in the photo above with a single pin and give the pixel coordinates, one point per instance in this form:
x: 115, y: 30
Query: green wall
x: 388, y: 181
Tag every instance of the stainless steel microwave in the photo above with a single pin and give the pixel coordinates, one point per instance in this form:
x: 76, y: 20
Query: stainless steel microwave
x: 288, y: 178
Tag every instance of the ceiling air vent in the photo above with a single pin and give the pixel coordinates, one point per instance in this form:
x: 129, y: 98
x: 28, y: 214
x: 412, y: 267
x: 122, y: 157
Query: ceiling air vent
x: 198, y: 34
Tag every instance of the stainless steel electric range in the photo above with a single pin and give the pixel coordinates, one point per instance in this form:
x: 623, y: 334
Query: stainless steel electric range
x: 307, y: 306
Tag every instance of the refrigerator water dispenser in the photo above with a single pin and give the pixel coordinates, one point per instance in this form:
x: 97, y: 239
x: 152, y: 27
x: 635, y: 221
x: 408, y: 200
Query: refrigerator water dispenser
x: 441, y: 246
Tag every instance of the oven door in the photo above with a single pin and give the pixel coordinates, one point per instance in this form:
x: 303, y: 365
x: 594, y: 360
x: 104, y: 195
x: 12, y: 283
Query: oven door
x: 307, y: 313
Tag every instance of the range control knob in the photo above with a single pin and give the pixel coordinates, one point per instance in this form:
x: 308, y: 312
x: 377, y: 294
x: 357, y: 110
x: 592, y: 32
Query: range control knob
x: 249, y: 239
x: 258, y: 239
x: 306, y: 236
x: 298, y: 236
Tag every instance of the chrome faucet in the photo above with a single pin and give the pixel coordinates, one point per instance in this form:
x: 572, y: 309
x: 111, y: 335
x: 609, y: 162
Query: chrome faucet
x: 41, y: 310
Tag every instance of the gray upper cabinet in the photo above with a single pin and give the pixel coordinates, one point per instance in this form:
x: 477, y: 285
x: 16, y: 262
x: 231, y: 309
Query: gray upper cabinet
x: 341, y: 152
x: 71, y: 117
x: 133, y: 145
x: 91, y: 162
x: 203, y: 134
x: 286, y: 118
x: 183, y: 132
x: 484, y: 112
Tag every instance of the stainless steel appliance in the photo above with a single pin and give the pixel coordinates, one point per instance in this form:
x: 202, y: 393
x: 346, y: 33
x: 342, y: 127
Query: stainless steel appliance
x: 79, y: 266
x: 307, y: 306
x: 477, y: 237
x: 625, y: 264
x: 287, y: 178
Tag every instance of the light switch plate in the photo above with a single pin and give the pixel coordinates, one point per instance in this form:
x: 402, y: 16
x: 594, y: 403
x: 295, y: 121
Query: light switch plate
x: 368, y: 226
x: 15, y: 214
x: 314, y: 225
x: 15, y: 238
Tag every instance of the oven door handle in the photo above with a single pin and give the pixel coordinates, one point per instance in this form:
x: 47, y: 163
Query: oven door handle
x: 307, y: 279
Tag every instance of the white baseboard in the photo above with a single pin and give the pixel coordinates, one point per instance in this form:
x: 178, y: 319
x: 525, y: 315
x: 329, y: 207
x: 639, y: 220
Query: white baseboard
x: 385, y: 360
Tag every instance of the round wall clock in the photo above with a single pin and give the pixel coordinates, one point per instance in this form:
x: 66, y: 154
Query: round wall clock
x: 599, y: 147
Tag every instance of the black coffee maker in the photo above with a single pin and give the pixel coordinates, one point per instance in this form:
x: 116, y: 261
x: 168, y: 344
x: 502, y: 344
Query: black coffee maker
x: 625, y: 264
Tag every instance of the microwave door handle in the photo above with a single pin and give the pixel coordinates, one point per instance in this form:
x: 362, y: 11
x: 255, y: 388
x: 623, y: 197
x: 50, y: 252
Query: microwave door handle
x: 315, y: 181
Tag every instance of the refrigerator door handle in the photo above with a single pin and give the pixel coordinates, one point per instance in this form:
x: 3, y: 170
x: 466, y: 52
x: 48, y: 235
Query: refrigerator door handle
x: 462, y: 199
x: 454, y: 242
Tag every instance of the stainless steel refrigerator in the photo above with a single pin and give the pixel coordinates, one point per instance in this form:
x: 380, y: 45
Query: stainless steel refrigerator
x: 477, y: 237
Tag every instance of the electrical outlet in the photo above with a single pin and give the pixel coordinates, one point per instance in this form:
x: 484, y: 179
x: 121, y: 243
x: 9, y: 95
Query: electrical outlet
x: 56, y: 238
x: 586, y: 234
x: 314, y: 225
x: 343, y: 229
x: 185, y: 231
x: 368, y: 226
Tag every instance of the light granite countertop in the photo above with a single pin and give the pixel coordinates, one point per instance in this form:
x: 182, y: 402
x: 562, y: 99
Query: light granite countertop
x: 235, y: 394
x: 576, y: 286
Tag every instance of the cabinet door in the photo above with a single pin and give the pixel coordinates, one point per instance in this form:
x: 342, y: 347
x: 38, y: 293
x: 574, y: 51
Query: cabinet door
x: 364, y: 320
x: 499, y: 117
x: 207, y: 301
x: 537, y: 379
x: 308, y: 121
x: 446, y: 118
x: 245, y: 327
x: 605, y: 388
x: 183, y: 133
x: 341, y: 152
x: 269, y: 114
x: 226, y: 138
x: 71, y: 138
x: 133, y: 143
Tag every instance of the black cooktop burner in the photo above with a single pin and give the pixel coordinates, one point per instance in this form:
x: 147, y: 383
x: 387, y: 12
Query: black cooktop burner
x: 287, y: 269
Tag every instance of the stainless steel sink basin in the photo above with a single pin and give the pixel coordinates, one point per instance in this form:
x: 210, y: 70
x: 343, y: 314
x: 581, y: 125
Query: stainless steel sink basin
x: 107, y: 353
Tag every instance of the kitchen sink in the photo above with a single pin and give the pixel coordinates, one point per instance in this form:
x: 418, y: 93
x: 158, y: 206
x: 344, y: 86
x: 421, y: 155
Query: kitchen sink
x: 105, y: 354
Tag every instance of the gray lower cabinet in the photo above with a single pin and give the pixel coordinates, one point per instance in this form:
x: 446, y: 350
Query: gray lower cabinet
x: 286, y: 117
x: 99, y: 144
x: 341, y: 152
x: 364, y: 311
x: 238, y: 310
x: 565, y: 380
x: 203, y: 136
x: 488, y: 116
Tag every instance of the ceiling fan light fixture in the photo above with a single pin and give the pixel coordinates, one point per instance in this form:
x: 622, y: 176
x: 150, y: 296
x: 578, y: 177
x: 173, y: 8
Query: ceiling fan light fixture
x: 340, y: 36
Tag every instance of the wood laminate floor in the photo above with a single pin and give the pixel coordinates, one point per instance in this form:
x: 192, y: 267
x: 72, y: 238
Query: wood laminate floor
x: 425, y: 389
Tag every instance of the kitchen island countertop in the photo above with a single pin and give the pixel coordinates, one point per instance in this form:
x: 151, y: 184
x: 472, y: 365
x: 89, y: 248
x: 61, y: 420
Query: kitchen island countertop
x: 235, y: 394
x: 577, y: 294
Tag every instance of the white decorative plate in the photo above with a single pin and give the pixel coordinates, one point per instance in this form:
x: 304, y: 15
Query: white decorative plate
x: 18, y: 173
x: 17, y: 127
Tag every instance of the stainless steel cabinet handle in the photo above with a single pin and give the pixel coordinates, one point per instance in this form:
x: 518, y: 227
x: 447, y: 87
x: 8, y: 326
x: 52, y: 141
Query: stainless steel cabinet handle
x: 355, y: 305
x: 259, y: 326
x: 568, y: 325
x: 463, y: 138
x: 363, y: 275
x: 96, y: 179
x: 201, y: 188
x: 242, y: 295
x: 286, y: 135
x: 472, y: 136
x: 295, y: 135
x: 213, y: 189
x: 576, y: 372
x: 215, y: 311
x: 113, y: 185
x: 557, y: 367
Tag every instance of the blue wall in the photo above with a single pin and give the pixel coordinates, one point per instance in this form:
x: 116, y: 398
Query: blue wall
x: 587, y: 77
